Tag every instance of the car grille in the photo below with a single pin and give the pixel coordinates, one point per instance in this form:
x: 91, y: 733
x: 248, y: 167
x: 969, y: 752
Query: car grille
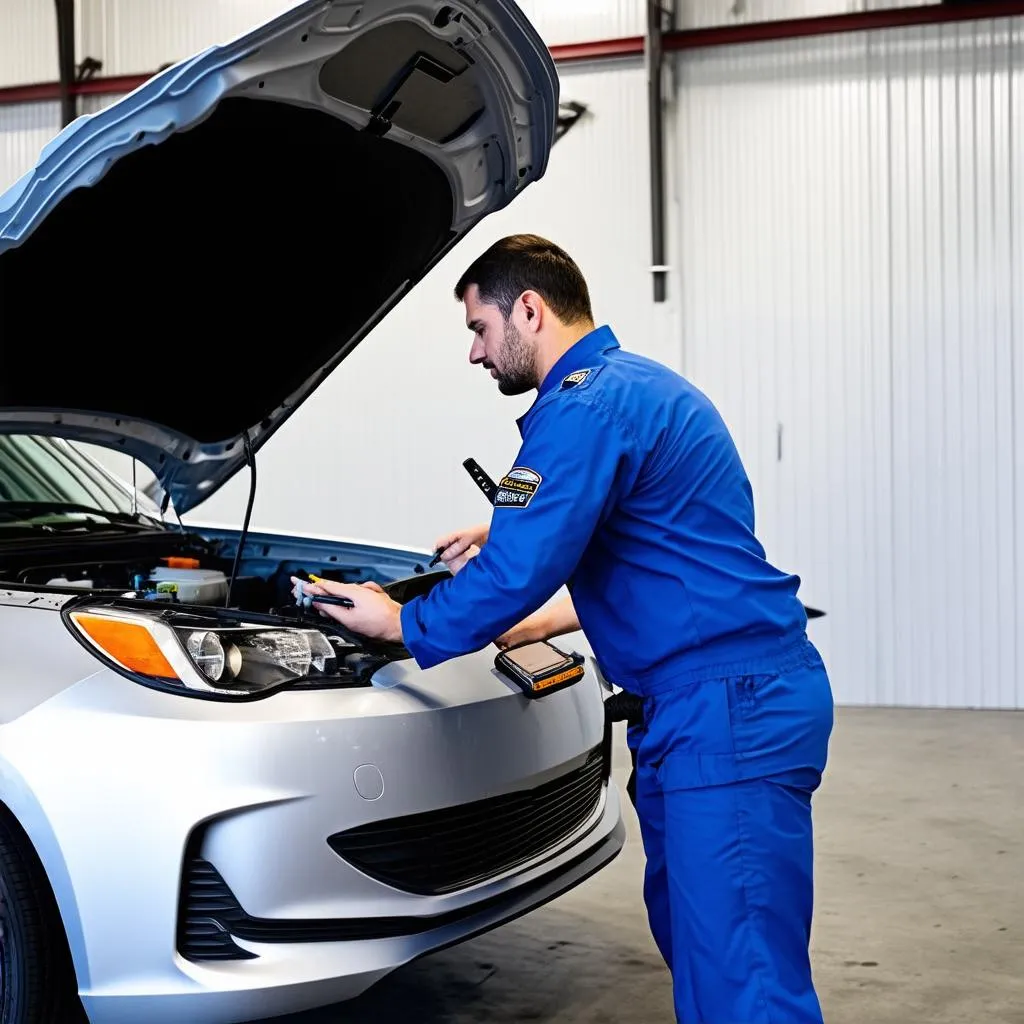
x: 441, y: 851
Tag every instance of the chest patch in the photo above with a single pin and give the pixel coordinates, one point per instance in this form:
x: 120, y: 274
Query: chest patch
x: 573, y: 379
x: 517, y: 488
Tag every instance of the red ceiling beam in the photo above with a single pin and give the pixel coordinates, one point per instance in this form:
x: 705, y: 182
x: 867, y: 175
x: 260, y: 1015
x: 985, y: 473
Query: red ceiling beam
x: 792, y: 28
x: 601, y: 49
x: 633, y: 46
x: 832, y: 24
x: 43, y: 92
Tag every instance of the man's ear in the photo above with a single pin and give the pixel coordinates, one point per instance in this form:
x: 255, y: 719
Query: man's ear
x: 532, y: 307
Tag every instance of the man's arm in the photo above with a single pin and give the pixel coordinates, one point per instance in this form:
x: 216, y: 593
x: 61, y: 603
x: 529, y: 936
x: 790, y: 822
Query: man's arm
x: 577, y: 460
x: 554, y: 620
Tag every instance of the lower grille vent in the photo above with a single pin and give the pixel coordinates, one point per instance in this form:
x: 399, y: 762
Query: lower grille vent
x: 208, y: 908
x: 442, y: 851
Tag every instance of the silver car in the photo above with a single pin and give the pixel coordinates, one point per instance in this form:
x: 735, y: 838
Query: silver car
x: 215, y: 806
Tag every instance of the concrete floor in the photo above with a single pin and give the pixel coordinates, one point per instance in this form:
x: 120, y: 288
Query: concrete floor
x: 920, y: 897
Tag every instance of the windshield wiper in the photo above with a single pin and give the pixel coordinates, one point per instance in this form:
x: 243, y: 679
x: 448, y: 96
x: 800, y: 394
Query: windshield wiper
x: 18, y: 510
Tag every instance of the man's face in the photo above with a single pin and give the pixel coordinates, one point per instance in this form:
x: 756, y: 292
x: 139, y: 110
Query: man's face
x: 499, y: 346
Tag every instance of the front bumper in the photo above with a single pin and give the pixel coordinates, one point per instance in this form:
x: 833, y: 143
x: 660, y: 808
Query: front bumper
x: 147, y: 782
x: 289, y: 977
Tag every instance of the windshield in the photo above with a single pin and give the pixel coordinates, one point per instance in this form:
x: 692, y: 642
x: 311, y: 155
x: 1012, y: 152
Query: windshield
x: 47, y: 483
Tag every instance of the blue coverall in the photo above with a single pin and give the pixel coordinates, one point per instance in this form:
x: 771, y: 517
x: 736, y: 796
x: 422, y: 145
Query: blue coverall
x: 629, y: 489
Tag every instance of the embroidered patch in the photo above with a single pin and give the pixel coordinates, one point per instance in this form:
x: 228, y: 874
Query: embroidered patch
x: 516, y: 490
x: 572, y: 379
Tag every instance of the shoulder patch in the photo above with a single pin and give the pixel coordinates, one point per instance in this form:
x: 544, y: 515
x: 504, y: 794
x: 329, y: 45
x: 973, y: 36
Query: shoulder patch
x: 571, y: 380
x: 517, y: 488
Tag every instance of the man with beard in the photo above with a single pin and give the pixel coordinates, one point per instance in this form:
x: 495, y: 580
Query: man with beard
x: 629, y: 490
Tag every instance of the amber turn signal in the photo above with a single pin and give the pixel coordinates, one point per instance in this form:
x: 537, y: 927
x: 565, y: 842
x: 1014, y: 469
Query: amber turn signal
x: 128, y: 643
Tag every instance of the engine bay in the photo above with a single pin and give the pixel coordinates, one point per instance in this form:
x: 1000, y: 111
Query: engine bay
x: 185, y: 579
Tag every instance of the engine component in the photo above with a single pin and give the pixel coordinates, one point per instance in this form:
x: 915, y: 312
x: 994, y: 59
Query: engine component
x: 193, y: 586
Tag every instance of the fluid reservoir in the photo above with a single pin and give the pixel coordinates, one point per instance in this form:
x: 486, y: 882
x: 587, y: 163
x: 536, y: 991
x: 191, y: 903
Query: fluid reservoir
x: 194, y: 586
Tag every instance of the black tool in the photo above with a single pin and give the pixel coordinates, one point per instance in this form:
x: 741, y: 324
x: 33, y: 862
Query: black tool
x: 481, y: 479
x: 344, y: 602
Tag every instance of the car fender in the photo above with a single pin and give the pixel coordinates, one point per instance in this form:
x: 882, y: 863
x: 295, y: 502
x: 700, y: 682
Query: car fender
x: 20, y: 803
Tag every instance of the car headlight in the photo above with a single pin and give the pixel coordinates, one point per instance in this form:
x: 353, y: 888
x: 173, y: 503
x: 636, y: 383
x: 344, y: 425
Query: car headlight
x: 213, y: 660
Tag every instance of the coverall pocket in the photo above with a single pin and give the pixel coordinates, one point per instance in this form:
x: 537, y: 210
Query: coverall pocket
x: 747, y: 696
x: 689, y: 737
x: 781, y: 720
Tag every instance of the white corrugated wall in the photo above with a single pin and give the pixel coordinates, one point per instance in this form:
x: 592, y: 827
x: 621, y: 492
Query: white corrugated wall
x: 854, y: 301
x: 845, y: 235
x: 28, y: 42
x: 24, y: 129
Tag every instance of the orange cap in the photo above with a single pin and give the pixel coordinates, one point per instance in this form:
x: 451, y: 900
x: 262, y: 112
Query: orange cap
x: 181, y: 563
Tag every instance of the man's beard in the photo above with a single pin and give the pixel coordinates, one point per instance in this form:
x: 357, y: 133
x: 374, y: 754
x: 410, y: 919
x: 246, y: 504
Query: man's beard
x: 517, y: 374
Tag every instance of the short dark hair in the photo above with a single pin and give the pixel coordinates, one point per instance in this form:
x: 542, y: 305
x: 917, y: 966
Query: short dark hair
x: 520, y: 263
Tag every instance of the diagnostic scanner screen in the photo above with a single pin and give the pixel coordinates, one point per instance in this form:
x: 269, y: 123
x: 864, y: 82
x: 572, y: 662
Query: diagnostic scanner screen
x: 536, y: 658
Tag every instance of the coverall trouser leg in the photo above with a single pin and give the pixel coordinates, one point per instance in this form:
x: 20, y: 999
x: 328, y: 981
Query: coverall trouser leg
x: 729, y: 892
x: 729, y: 878
x: 650, y: 810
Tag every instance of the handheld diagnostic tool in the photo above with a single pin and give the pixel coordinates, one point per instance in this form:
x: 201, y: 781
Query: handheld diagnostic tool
x: 481, y: 479
x: 539, y: 669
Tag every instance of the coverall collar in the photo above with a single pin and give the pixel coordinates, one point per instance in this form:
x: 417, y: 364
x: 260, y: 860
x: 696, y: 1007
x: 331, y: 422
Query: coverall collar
x: 579, y: 357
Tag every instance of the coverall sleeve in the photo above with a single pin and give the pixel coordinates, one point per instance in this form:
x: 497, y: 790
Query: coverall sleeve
x: 584, y: 459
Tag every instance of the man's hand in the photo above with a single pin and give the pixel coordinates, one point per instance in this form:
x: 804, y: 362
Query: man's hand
x: 374, y: 614
x: 459, y: 547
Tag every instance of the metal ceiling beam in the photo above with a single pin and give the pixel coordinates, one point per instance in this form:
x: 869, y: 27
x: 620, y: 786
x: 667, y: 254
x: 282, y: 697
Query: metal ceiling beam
x: 66, y: 60
x: 834, y: 24
x: 791, y: 28
x: 633, y: 46
x: 49, y: 92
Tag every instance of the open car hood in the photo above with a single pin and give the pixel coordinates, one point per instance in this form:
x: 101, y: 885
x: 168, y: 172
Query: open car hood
x: 183, y: 268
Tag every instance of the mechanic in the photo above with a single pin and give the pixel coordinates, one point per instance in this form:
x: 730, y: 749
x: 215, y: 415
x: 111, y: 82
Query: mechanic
x: 628, y: 489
